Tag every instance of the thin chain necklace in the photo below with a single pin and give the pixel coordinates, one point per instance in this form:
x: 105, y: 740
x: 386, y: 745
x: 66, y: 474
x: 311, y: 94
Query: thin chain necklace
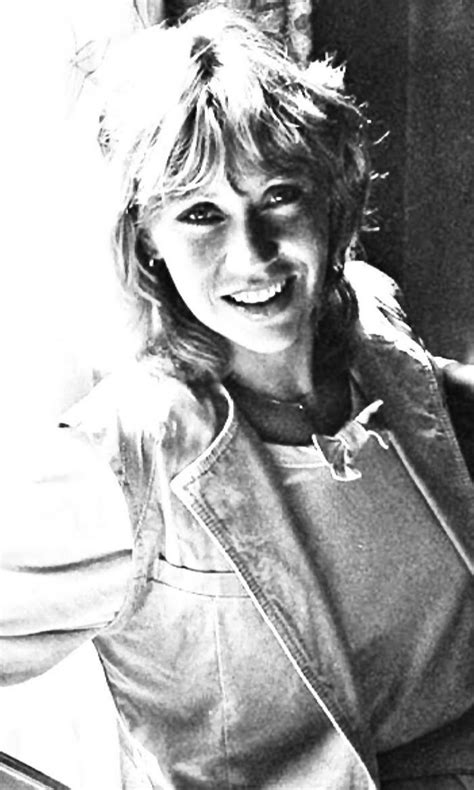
x: 295, y: 422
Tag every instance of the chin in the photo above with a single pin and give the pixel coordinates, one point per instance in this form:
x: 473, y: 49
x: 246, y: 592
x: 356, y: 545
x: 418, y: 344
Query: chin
x: 270, y: 345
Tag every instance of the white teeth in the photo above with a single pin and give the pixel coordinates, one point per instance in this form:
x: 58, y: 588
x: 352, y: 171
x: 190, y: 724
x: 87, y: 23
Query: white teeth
x: 256, y: 297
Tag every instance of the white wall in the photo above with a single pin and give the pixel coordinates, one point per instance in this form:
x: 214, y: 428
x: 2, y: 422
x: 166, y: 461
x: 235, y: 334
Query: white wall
x: 59, y: 317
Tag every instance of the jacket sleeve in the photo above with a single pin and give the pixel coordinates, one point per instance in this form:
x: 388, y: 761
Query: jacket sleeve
x: 65, y: 554
x: 458, y: 385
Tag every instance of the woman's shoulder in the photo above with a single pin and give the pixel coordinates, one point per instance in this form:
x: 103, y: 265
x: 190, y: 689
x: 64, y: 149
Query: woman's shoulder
x: 142, y: 403
x: 140, y: 394
x: 372, y: 283
x: 380, y: 301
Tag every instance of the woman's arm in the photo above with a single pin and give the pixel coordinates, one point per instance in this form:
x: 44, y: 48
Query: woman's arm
x: 65, y: 554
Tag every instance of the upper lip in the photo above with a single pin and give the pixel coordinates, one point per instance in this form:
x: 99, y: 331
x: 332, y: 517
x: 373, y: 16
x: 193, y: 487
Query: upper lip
x: 253, y: 287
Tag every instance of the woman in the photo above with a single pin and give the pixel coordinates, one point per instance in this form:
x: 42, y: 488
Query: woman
x: 286, y: 599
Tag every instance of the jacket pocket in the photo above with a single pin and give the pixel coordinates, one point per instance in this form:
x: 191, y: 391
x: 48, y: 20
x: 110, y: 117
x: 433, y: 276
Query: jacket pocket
x: 213, y: 584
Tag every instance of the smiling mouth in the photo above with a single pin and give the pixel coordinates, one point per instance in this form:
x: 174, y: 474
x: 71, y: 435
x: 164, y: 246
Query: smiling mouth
x: 264, y: 301
x: 260, y: 296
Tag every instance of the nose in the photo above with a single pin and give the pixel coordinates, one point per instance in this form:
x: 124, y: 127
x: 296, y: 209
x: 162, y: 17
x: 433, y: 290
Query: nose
x: 251, y: 243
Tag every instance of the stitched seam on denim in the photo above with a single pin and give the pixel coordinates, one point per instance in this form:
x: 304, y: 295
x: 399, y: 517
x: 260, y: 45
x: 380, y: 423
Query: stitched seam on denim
x: 128, y: 607
x: 451, y: 534
x: 292, y: 649
x: 219, y: 534
x: 282, y: 465
x: 206, y: 460
x: 222, y: 688
x: 151, y: 480
x: 438, y: 407
x: 448, y: 430
x: 445, y: 434
x: 440, y: 411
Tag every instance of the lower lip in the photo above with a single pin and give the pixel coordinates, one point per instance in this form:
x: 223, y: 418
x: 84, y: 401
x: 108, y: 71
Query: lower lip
x: 274, y: 306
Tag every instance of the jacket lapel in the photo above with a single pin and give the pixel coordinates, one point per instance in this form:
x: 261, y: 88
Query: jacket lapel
x: 233, y: 493
x: 391, y: 366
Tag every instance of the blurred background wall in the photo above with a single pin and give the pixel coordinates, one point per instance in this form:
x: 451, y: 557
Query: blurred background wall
x: 412, y: 61
x: 60, y: 317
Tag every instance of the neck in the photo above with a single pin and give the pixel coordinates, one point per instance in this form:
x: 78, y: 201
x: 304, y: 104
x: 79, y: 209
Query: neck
x: 292, y: 420
x: 285, y: 384
x: 286, y: 375
x: 293, y: 378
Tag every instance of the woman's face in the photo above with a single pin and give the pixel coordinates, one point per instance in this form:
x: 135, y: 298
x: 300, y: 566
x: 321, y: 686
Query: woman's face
x: 249, y: 259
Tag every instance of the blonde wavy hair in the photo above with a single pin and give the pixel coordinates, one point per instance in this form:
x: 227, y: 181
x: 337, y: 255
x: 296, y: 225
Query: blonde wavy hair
x: 216, y: 92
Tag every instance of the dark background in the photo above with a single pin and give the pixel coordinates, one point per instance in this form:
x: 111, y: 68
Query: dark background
x: 412, y: 61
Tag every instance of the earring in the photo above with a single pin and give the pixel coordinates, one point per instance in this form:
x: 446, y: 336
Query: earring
x: 336, y: 272
x: 339, y: 270
x: 153, y: 264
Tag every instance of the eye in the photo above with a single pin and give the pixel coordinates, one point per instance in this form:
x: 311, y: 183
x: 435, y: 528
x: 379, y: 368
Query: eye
x: 202, y: 214
x: 283, y: 195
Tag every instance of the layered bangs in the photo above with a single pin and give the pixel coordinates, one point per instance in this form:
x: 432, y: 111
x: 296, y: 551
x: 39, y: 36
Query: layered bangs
x: 236, y: 114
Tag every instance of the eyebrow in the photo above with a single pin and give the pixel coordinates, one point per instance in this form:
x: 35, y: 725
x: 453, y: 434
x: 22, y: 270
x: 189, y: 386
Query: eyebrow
x: 196, y: 195
x: 201, y: 194
x: 268, y: 179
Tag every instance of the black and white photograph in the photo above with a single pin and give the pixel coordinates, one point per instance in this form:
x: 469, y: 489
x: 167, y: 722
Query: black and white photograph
x: 237, y: 410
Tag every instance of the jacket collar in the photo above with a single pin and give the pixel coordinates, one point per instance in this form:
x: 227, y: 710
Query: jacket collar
x: 393, y: 366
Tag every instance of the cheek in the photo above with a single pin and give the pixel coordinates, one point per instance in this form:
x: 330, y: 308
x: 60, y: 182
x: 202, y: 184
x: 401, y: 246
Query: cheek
x: 307, y: 238
x: 187, y: 249
x: 189, y: 262
x: 185, y: 257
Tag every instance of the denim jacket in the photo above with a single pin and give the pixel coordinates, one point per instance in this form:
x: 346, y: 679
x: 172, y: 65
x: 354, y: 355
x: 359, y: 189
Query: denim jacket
x: 238, y: 674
